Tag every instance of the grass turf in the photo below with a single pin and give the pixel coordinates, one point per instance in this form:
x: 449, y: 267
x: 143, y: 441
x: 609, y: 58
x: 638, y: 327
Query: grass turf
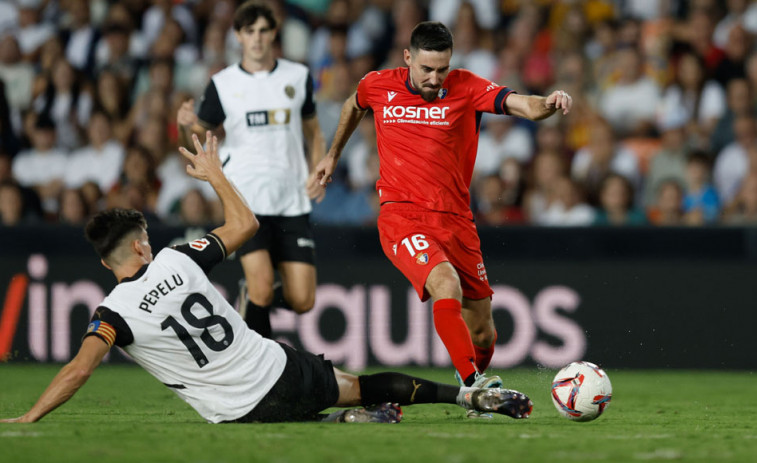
x: 123, y: 414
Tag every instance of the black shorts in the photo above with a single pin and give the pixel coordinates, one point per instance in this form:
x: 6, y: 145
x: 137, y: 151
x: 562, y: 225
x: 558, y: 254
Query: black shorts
x: 306, y: 387
x: 287, y: 239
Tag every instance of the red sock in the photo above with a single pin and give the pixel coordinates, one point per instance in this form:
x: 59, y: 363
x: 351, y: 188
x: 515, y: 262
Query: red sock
x: 484, y: 355
x: 449, y: 324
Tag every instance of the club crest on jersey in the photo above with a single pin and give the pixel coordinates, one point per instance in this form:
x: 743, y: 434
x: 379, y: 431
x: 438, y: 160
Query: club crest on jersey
x: 442, y: 93
x: 199, y: 244
x: 390, y: 95
x: 289, y: 90
x: 421, y: 258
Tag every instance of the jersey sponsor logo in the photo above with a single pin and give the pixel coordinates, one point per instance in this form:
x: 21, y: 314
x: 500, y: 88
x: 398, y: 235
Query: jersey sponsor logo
x: 390, y: 95
x: 421, y: 258
x: 424, y: 115
x: 481, y: 272
x: 199, y: 244
x: 270, y: 117
x: 305, y: 243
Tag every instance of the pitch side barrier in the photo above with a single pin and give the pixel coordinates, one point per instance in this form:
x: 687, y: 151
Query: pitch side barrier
x: 623, y: 298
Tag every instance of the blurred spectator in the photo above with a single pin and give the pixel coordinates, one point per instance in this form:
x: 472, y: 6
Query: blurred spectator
x: 616, y: 198
x: 67, y: 103
x: 600, y: 157
x: 732, y: 162
x: 739, y: 103
x: 473, y: 45
x: 630, y: 103
x: 733, y: 64
x: 501, y: 138
x: 194, y: 209
x: 73, y: 207
x: 32, y: 32
x: 568, y: 209
x: 735, y: 10
x: 702, y: 101
x: 667, y: 209
x: 17, y: 75
x: 93, y: 197
x: 500, y: 196
x: 669, y: 162
x: 80, y: 36
x: 112, y: 98
x: 13, y: 210
x: 486, y: 13
x: 700, y: 203
x: 100, y: 161
x: 743, y: 210
x: 156, y: 17
x: 9, y: 144
x: 547, y: 169
x: 113, y: 52
x: 43, y: 166
x: 356, y: 156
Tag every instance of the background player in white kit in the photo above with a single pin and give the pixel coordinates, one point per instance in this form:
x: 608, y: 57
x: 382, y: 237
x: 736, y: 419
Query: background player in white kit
x: 267, y: 110
x: 167, y: 315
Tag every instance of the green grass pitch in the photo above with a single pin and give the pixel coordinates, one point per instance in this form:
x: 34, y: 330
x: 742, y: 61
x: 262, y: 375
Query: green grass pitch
x: 123, y: 414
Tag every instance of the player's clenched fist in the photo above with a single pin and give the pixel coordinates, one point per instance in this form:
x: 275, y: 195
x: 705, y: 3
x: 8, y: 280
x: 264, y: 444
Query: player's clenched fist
x: 186, y: 116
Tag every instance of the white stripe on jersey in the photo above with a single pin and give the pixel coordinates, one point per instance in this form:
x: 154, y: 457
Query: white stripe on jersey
x: 186, y: 334
x: 264, y: 141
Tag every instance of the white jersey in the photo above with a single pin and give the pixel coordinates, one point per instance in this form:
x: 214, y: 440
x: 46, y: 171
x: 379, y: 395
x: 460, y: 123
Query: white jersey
x: 172, y: 321
x: 263, y: 153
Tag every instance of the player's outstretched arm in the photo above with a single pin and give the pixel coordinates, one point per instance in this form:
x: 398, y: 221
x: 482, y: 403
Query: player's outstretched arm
x: 240, y: 223
x: 348, y: 121
x: 538, y: 107
x: 68, y: 380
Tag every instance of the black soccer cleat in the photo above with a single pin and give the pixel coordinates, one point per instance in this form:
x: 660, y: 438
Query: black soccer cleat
x: 503, y: 401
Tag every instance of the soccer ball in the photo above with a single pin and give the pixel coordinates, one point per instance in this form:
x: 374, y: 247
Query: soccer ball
x: 581, y: 391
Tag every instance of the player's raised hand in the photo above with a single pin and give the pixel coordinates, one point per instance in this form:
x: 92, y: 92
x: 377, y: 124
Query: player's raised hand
x: 559, y: 99
x: 206, y: 162
x: 315, y: 190
x: 325, y: 169
x: 186, y: 116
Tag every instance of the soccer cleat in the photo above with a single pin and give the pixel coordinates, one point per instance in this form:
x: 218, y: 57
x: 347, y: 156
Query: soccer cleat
x: 382, y: 413
x: 502, y: 401
x: 482, y: 381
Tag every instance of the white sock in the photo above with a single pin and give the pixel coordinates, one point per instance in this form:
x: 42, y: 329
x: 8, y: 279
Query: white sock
x: 465, y: 397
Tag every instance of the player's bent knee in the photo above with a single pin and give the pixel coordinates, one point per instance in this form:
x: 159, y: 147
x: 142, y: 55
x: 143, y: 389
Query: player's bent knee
x: 302, y: 305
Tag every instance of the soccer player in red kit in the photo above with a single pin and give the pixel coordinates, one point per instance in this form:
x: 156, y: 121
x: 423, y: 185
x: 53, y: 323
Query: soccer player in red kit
x: 427, y: 123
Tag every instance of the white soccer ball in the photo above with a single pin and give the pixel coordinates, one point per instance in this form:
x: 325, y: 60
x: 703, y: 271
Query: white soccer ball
x: 581, y: 391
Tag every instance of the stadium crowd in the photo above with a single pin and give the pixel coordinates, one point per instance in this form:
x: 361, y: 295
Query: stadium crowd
x: 662, y: 131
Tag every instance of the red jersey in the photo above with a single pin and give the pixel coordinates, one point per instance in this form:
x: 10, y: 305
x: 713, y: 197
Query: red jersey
x: 427, y: 150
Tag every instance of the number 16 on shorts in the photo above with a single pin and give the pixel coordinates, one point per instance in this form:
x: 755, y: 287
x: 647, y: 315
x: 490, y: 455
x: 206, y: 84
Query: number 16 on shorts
x: 415, y: 245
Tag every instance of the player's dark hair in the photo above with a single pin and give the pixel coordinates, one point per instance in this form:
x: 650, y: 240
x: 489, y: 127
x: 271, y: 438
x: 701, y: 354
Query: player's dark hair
x: 430, y: 36
x: 107, y: 228
x: 249, y: 12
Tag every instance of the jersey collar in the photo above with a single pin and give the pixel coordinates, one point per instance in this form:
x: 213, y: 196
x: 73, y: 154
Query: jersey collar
x: 275, y: 65
x: 136, y: 276
x: 409, y: 85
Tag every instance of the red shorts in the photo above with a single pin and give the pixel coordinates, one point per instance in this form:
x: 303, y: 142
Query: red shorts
x: 416, y: 240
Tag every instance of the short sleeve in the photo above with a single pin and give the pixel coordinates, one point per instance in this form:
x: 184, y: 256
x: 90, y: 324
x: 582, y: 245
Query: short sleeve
x: 110, y: 327
x: 486, y: 95
x: 207, y: 252
x: 211, y: 112
x: 363, y: 91
x: 308, y: 107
